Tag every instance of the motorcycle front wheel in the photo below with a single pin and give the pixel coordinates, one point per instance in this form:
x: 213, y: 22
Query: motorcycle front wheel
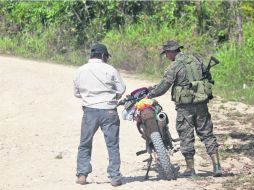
x: 165, y: 168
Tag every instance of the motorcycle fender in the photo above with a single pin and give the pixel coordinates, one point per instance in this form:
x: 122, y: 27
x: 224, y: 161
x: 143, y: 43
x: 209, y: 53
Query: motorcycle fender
x: 149, y: 119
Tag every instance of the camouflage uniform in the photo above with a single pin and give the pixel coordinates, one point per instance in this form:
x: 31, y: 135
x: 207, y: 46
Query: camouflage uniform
x: 190, y: 117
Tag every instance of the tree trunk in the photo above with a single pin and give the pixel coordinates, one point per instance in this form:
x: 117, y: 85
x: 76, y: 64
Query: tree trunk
x: 235, y: 27
x: 199, y: 24
x: 239, y: 35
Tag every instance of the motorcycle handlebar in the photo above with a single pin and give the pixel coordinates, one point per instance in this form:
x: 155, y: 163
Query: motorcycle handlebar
x: 130, y: 98
x: 123, y: 101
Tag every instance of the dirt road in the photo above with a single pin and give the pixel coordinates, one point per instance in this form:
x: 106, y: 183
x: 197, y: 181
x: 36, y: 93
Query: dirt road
x: 40, y: 128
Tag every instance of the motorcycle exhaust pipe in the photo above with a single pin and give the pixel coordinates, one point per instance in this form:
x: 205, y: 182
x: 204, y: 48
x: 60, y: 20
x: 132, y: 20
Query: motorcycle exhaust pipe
x: 162, y: 119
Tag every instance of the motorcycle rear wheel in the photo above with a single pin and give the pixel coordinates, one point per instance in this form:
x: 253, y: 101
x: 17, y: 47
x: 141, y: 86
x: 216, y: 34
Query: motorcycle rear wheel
x: 165, y: 168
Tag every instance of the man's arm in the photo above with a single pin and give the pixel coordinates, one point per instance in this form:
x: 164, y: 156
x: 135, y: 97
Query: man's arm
x: 119, y: 85
x: 164, y: 84
x: 76, y: 89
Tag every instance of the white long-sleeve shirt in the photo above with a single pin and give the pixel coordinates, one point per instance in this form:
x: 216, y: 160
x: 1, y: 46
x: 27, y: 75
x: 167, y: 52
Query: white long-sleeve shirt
x: 98, y: 84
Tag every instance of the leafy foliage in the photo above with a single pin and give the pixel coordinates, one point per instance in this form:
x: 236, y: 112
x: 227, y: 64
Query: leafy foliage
x: 63, y: 31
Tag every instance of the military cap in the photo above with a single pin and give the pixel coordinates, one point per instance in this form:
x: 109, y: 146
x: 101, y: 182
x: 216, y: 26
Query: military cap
x: 171, y: 45
x: 100, y: 48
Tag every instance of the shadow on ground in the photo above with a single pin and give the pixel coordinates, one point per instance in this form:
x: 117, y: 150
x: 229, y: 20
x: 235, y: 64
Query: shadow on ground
x: 209, y: 173
x: 242, y: 136
x: 247, y: 149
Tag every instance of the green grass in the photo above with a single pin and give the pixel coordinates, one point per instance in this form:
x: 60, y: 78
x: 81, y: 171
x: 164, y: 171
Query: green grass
x: 136, y: 48
x: 235, y: 75
x: 7, y: 45
x: 46, y: 46
x: 224, y: 154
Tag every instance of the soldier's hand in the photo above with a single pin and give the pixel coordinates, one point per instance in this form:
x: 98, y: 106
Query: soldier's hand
x: 149, y: 88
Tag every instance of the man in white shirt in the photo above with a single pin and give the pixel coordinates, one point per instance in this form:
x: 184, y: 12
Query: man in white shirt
x: 99, y: 85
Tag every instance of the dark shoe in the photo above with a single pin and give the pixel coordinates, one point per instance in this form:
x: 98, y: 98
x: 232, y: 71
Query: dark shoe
x: 81, y: 180
x: 216, y: 165
x: 116, y: 183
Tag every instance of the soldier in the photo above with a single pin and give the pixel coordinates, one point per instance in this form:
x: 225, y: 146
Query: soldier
x: 191, y: 93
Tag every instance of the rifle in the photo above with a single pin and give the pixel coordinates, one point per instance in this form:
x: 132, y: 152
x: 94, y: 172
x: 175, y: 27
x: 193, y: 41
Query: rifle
x: 206, y: 74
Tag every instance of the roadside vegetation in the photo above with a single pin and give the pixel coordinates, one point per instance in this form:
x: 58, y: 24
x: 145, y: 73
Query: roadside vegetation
x: 63, y: 31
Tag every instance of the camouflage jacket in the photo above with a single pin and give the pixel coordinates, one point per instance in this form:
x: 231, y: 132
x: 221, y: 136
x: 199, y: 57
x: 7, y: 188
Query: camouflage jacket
x: 175, y: 75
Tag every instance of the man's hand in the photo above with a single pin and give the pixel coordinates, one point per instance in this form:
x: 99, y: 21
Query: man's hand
x: 121, y: 102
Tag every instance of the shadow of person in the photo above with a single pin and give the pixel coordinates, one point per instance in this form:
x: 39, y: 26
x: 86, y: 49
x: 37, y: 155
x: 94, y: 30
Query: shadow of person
x: 146, y: 177
x: 239, y: 148
x: 209, y: 173
x: 130, y: 179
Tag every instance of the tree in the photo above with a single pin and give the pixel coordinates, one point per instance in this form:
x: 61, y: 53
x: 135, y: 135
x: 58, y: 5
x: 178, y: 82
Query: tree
x: 236, y: 31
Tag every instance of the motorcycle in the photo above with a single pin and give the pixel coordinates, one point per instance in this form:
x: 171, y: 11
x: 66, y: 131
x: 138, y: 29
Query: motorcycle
x: 152, y: 123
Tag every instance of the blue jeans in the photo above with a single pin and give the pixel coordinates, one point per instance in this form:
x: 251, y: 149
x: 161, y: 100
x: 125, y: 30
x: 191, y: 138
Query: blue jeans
x: 108, y: 121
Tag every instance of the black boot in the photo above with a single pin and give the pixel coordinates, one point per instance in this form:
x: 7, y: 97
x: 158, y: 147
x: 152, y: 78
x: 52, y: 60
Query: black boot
x: 190, y: 171
x: 216, y: 165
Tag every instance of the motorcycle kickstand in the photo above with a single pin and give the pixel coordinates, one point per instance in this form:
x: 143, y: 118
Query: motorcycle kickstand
x: 150, y: 159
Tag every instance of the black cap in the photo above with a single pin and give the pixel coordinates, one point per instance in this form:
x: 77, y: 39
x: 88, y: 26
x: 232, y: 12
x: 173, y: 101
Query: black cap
x: 171, y: 45
x: 100, y: 48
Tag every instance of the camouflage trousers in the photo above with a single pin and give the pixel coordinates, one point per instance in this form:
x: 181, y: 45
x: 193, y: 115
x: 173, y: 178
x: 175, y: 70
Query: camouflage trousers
x: 195, y: 117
